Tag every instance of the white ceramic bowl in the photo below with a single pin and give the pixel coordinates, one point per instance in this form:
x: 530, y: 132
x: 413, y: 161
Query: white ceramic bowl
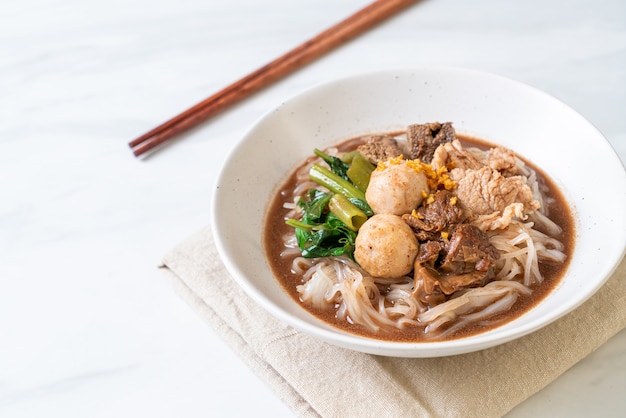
x: 535, y: 125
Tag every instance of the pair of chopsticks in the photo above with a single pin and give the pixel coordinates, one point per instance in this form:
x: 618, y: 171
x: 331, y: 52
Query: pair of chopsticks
x: 343, y: 31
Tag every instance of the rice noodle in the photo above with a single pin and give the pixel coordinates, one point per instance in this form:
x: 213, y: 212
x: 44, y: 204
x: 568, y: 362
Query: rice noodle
x: 334, y: 281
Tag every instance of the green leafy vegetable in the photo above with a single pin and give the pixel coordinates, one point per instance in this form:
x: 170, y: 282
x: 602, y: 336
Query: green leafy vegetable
x: 336, y: 184
x: 329, y: 222
x: 314, y: 205
x: 320, y: 233
x: 336, y: 165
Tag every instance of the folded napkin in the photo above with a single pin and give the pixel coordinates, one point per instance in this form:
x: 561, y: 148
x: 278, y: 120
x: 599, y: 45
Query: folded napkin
x: 316, y: 379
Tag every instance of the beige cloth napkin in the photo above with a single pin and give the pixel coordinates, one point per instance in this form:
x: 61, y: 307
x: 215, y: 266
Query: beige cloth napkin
x: 317, y: 379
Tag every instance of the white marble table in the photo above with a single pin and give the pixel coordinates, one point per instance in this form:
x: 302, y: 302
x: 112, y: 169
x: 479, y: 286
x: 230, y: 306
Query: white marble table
x: 88, y: 326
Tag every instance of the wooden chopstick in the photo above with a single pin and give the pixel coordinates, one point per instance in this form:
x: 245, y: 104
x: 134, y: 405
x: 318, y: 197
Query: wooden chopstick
x: 303, y: 54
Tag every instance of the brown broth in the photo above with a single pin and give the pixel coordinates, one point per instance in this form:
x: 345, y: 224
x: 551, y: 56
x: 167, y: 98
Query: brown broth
x: 275, y: 228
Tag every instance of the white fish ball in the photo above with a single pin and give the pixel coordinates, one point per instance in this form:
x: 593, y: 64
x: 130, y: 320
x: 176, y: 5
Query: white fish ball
x: 386, y: 246
x: 397, y: 189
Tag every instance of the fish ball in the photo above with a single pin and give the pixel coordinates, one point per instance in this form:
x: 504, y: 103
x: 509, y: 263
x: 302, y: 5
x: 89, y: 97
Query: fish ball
x: 386, y: 246
x: 396, y: 189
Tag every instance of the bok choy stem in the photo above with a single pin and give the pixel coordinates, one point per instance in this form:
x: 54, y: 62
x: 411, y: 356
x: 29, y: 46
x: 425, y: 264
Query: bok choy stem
x: 299, y: 224
x: 360, y: 171
x: 346, y: 212
x: 333, y: 182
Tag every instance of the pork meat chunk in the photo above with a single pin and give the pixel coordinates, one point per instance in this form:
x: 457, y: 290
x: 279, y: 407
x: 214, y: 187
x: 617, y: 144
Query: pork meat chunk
x: 379, y: 148
x: 430, y: 220
x: 444, y: 267
x: 468, y: 251
x: 433, y: 288
x: 423, y: 139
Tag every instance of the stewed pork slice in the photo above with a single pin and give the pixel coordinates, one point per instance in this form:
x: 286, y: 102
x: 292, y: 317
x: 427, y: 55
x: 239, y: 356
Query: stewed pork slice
x: 504, y: 160
x: 485, y: 191
x: 500, y: 219
x: 453, y: 154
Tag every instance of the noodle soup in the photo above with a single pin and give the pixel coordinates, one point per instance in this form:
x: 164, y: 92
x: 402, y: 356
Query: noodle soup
x: 462, y: 239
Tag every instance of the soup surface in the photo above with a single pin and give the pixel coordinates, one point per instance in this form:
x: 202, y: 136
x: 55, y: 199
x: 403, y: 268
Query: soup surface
x: 510, y: 258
